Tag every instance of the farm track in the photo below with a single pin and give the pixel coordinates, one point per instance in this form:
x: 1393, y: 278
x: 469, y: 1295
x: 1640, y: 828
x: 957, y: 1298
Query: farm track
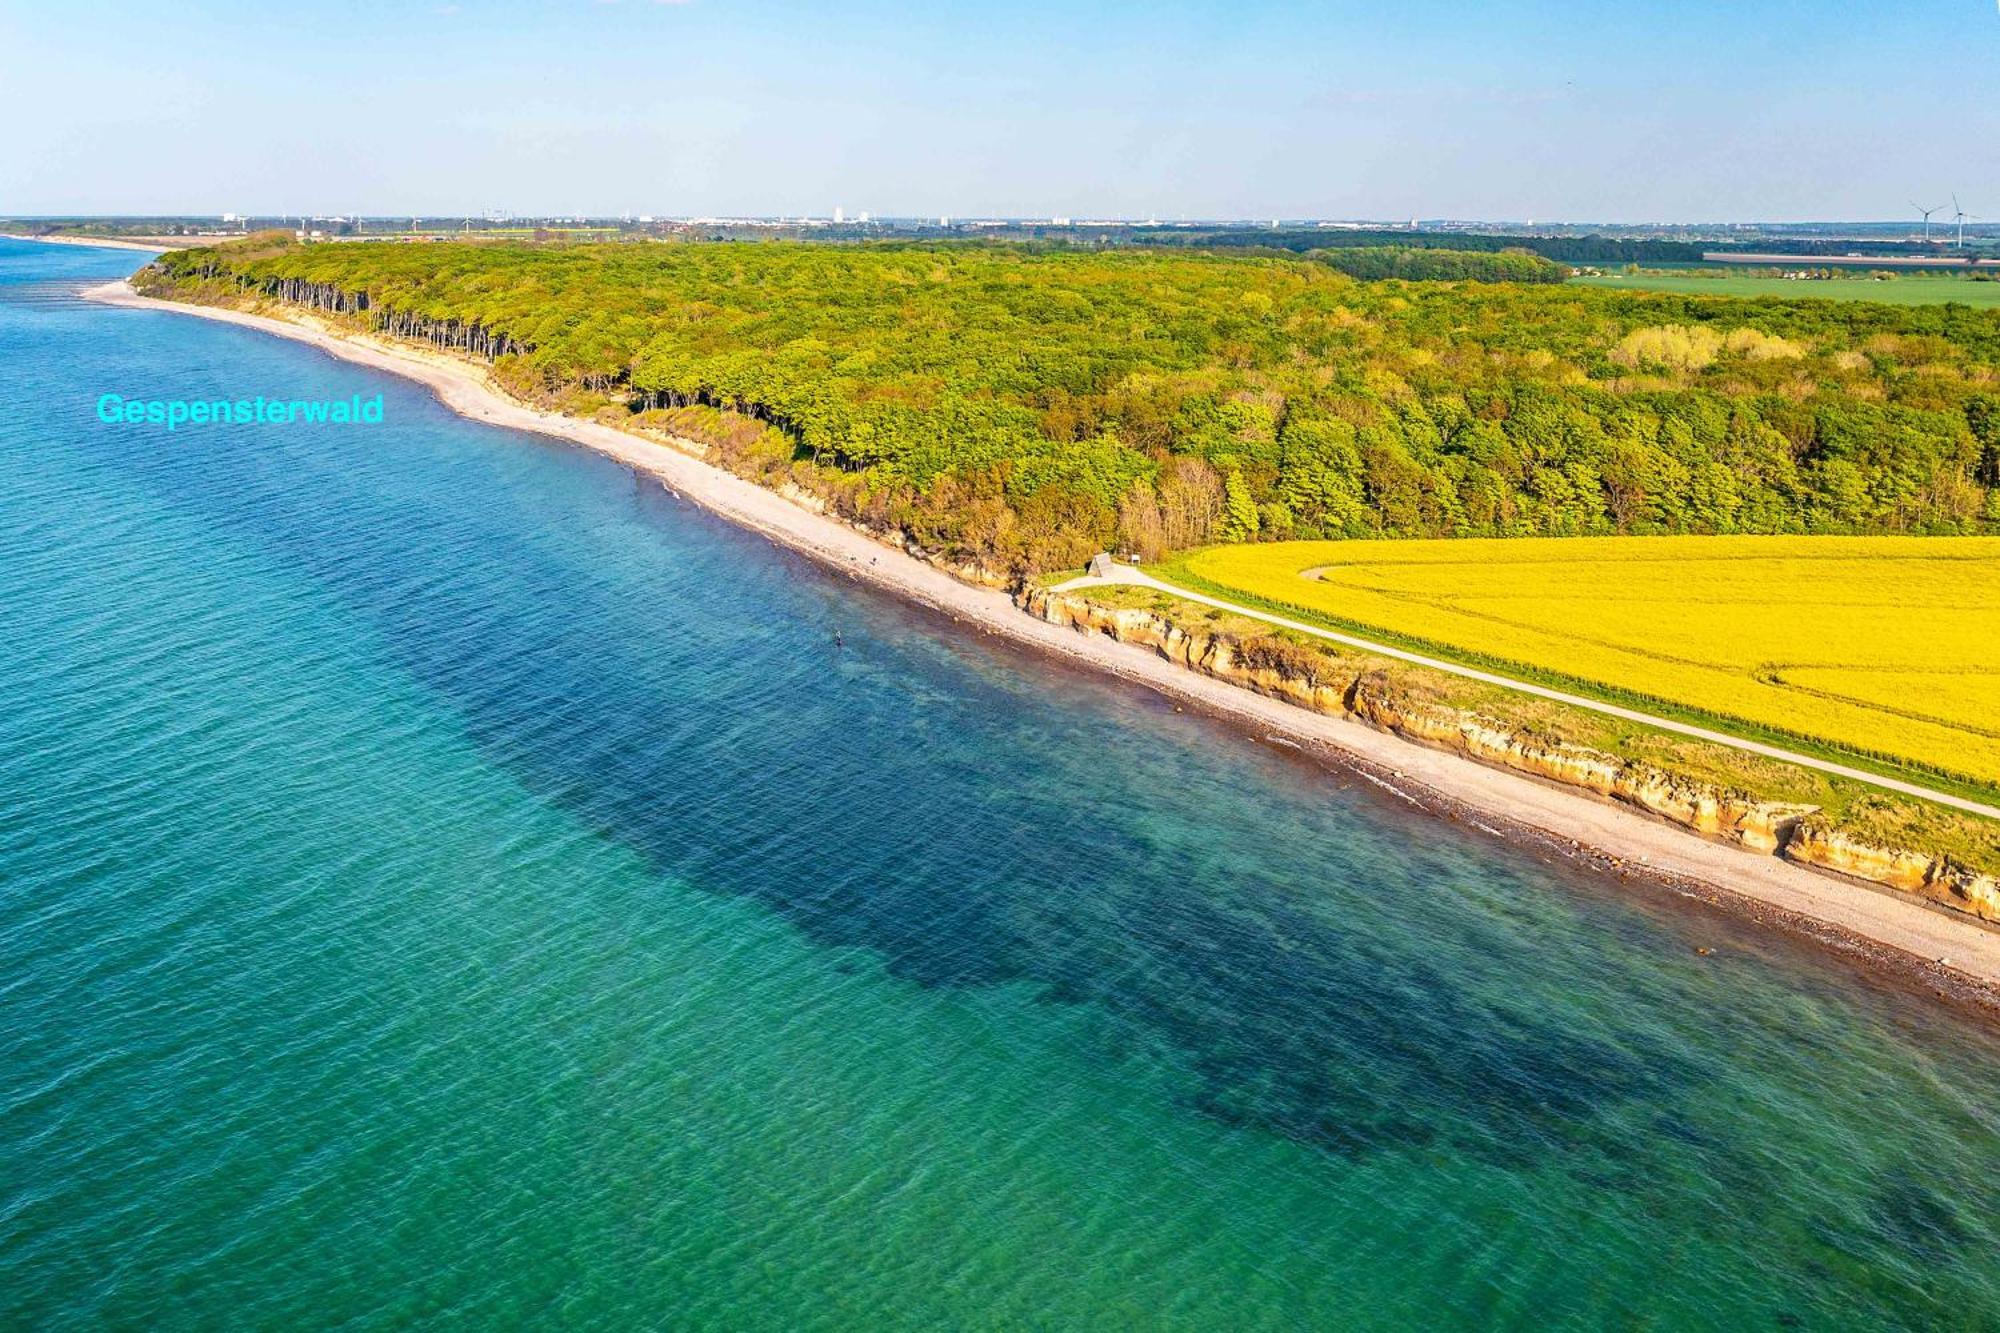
x: 1128, y: 575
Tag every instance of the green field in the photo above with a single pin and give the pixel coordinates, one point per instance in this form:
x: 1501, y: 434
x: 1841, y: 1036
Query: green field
x: 1903, y: 289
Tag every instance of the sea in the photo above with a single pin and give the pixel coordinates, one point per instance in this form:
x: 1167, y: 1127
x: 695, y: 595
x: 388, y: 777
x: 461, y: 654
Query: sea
x: 446, y: 881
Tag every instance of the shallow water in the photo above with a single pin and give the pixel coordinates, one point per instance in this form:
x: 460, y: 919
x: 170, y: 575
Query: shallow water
x: 443, y: 877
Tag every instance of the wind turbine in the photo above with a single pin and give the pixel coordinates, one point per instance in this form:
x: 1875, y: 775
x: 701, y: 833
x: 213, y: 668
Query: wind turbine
x: 1959, y: 215
x: 1927, y: 217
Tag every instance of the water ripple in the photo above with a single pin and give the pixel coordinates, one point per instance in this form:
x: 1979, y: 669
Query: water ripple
x: 444, y: 880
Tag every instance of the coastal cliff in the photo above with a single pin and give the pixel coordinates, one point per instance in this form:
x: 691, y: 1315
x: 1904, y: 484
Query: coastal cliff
x: 1761, y: 826
x: 1941, y: 879
x: 1358, y: 687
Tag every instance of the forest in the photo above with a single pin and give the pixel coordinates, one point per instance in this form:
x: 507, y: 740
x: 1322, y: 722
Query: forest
x: 1592, y: 249
x: 1422, y: 264
x: 1022, y: 408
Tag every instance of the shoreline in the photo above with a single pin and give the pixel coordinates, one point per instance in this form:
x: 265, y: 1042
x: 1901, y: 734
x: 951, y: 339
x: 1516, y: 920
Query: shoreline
x: 1872, y: 925
x: 96, y: 243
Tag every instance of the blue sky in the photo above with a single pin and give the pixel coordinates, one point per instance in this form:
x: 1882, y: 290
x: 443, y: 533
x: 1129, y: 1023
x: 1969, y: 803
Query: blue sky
x: 1691, y: 111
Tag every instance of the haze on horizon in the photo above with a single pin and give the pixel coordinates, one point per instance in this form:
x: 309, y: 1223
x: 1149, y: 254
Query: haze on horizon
x: 1768, y: 109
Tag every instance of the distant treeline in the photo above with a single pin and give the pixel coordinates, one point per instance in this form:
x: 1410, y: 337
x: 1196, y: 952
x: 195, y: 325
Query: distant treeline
x: 1564, y: 249
x: 1831, y: 245
x: 1025, y: 408
x: 1593, y: 249
x: 1375, y: 262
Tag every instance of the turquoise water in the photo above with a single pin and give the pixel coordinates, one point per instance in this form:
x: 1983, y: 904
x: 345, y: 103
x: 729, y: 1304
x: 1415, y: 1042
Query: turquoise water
x: 443, y: 878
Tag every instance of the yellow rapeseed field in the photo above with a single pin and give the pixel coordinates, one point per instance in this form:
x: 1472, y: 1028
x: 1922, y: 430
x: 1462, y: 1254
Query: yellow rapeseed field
x: 1888, y: 645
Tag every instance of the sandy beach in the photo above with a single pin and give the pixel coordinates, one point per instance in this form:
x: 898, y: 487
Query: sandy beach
x: 150, y: 244
x: 1953, y: 956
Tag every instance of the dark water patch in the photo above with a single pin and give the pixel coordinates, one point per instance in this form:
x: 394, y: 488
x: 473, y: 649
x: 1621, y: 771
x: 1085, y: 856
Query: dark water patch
x: 1919, y: 1221
x: 878, y: 823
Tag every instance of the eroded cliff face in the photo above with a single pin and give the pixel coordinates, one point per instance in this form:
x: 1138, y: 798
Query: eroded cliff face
x: 1318, y: 682
x: 1716, y: 812
x: 1217, y: 655
x: 1815, y: 842
x: 965, y: 571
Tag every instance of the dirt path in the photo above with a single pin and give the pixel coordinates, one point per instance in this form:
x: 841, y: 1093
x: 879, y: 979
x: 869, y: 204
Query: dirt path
x: 1127, y: 574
